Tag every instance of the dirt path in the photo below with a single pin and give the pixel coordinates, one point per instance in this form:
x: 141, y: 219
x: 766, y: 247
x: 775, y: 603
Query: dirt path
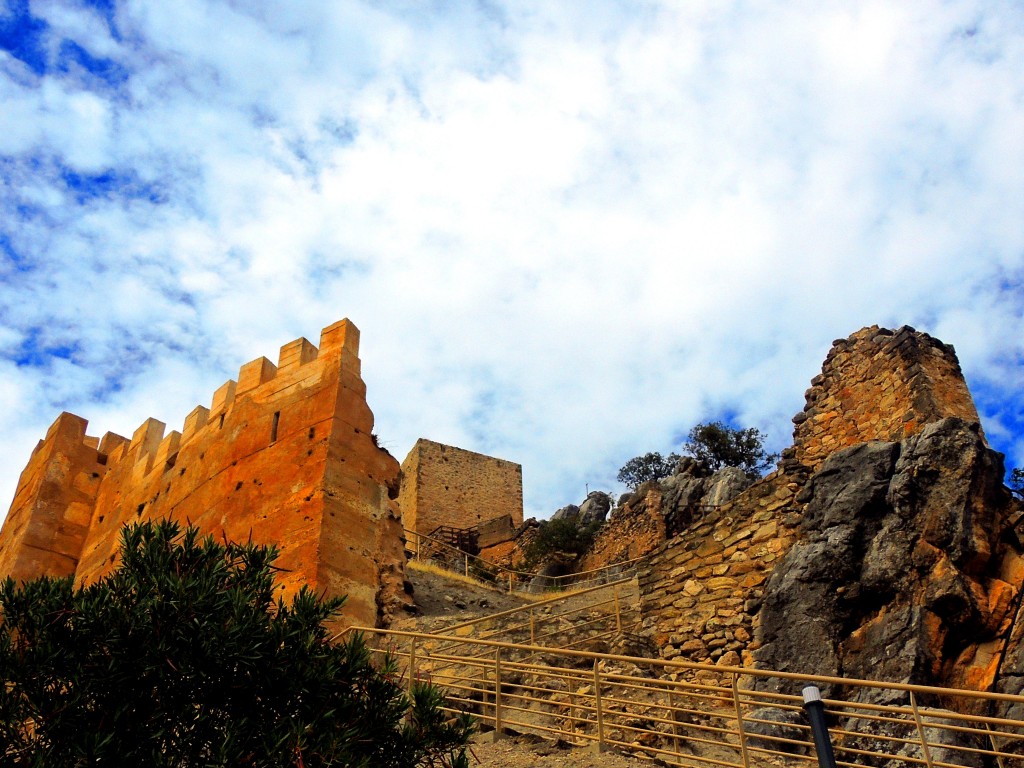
x: 527, y: 752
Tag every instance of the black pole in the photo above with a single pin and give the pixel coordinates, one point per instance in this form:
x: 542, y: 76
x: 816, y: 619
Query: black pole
x: 815, y: 710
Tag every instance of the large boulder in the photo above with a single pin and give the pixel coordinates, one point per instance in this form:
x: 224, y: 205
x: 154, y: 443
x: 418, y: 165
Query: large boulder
x: 725, y: 485
x: 897, y: 574
x: 595, y: 508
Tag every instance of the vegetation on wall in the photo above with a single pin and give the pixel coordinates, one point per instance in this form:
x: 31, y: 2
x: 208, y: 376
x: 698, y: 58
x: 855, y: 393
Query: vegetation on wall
x: 182, y: 657
x: 567, y: 535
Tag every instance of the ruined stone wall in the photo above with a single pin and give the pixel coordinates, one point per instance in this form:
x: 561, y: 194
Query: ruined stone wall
x: 700, y: 591
x: 879, y: 385
x: 443, y: 485
x: 634, y: 530
x: 285, y: 454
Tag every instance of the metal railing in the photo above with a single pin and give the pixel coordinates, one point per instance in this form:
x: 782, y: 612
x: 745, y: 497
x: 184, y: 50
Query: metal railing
x: 454, y: 559
x: 698, y: 714
x: 609, y: 610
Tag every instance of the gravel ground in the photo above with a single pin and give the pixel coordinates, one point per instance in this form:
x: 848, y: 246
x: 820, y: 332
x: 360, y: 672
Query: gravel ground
x: 527, y: 751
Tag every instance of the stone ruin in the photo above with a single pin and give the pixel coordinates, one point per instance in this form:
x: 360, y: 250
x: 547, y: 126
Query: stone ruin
x: 885, y: 546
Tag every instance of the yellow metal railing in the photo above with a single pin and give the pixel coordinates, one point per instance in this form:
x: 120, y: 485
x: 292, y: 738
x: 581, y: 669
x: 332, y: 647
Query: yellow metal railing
x: 509, y: 578
x: 698, y: 714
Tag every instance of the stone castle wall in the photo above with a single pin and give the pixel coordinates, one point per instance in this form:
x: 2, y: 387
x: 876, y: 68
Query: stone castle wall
x: 443, y: 485
x: 284, y: 454
x: 879, y: 385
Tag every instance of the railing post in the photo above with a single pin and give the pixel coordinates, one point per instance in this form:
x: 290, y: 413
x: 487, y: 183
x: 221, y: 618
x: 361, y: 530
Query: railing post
x: 497, y: 693
x: 675, y: 721
x: 815, y: 709
x: 920, y: 731
x: 599, y: 745
x: 510, y: 582
x: 533, y: 629
x: 739, y: 721
x: 412, y: 663
x: 995, y: 747
x: 618, y: 613
x: 467, y: 564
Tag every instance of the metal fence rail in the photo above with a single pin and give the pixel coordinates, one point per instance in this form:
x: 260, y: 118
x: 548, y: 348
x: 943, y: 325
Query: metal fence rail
x: 456, y: 560
x: 698, y: 714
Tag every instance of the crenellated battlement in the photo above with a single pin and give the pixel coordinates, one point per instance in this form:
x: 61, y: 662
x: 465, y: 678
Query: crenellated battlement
x: 152, y: 450
x: 283, y: 454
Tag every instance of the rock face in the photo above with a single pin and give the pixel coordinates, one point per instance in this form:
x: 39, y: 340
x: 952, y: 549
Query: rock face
x: 899, y: 573
x: 284, y: 454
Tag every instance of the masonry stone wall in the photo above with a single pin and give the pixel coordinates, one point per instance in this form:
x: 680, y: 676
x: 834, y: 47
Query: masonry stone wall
x: 285, y: 454
x: 446, y: 486
x: 879, y: 385
x: 700, y: 591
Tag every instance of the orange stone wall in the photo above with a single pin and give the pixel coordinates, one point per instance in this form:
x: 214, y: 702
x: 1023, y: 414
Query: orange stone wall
x: 443, y: 485
x: 285, y: 454
x: 879, y: 385
x: 49, y: 519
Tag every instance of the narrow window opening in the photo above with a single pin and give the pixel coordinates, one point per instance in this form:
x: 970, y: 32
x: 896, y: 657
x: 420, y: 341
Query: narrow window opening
x: 221, y: 421
x: 273, y: 427
x: 312, y: 432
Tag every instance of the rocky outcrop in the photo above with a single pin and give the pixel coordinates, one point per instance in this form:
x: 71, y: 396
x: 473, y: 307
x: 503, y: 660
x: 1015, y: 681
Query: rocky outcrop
x: 885, y: 547
x: 901, y: 571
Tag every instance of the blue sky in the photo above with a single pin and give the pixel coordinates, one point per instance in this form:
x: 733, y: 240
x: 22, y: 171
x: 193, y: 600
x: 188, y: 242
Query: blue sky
x: 567, y: 231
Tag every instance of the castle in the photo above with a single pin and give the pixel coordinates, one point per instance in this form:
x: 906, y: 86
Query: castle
x: 285, y: 454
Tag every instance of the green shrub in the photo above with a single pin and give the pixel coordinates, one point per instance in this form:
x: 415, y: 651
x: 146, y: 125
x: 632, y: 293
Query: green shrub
x: 182, y: 657
x: 568, y: 535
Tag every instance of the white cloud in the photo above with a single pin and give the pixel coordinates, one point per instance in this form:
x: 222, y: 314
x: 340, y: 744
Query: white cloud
x: 566, y: 236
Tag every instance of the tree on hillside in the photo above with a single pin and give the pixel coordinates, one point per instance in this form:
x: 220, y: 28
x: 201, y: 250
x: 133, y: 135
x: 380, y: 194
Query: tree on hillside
x: 182, y: 657
x: 716, y: 445
x: 650, y: 466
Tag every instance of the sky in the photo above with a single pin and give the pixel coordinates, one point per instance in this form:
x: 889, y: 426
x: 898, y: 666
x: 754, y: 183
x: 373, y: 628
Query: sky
x: 568, y: 232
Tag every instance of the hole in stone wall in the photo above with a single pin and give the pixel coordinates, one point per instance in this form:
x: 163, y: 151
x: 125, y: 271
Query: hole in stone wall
x: 221, y: 421
x: 312, y: 432
x: 273, y: 426
x: 138, y: 510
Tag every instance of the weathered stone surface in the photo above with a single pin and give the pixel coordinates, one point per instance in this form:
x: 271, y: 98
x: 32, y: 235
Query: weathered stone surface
x: 285, y: 456
x: 568, y: 512
x: 596, y: 507
x: 725, y: 485
x: 896, y: 574
x: 879, y: 385
x: 446, y: 486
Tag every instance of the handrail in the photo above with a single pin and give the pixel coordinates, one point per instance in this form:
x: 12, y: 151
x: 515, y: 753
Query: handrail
x: 653, y: 715
x: 420, y: 537
x: 532, y: 606
x: 697, y: 666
